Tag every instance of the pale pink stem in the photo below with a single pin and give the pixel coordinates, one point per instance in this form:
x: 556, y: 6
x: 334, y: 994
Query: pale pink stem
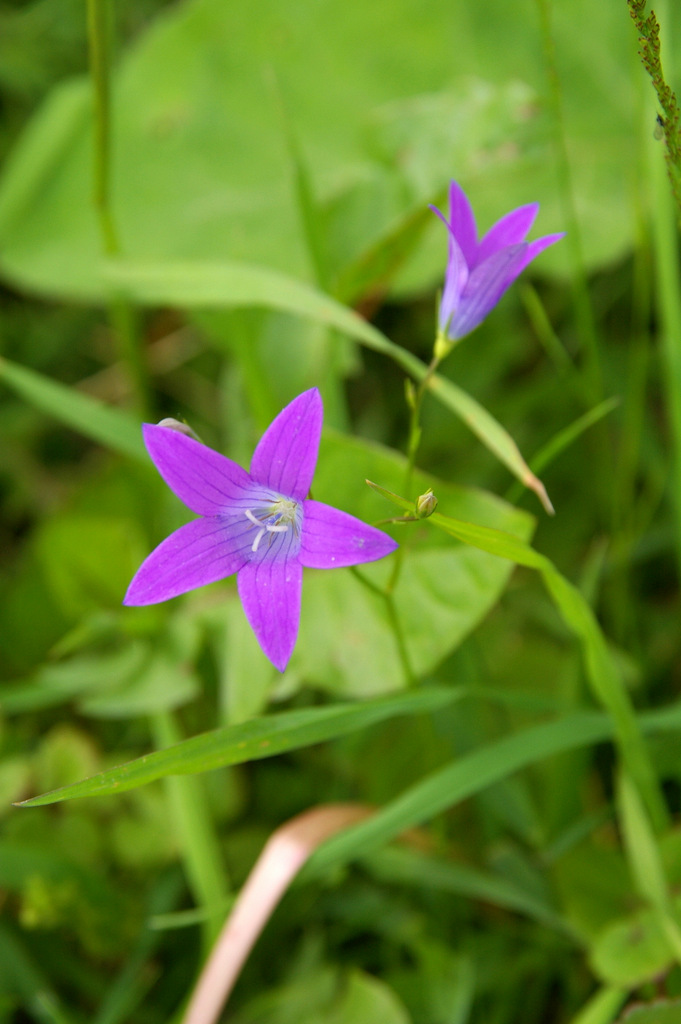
x: 284, y: 854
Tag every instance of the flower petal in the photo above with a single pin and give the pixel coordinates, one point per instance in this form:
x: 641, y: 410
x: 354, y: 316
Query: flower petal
x: 286, y: 455
x: 206, y: 481
x: 510, y: 230
x: 331, y: 538
x: 539, y: 244
x: 462, y: 222
x: 486, y: 285
x: 270, y: 594
x: 201, y: 552
x: 456, y: 278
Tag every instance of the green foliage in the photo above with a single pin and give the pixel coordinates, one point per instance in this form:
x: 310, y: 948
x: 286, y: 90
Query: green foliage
x: 511, y: 736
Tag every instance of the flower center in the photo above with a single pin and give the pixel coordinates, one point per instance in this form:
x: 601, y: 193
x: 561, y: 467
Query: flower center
x: 277, y: 517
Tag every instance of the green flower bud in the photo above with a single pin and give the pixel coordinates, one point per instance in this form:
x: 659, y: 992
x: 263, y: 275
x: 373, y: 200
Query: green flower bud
x: 426, y: 504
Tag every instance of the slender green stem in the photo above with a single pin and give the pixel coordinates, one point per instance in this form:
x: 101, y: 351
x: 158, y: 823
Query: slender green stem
x: 121, y: 313
x: 414, y: 441
x: 125, y: 323
x: 387, y: 597
x: 415, y: 398
x: 200, y: 850
x: 99, y: 71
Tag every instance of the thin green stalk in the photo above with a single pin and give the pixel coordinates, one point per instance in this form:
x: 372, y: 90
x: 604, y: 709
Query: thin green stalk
x: 586, y: 323
x: 669, y: 121
x: 125, y: 322
x: 99, y: 71
x: 121, y: 313
x: 395, y: 624
x: 415, y: 399
x: 201, y: 853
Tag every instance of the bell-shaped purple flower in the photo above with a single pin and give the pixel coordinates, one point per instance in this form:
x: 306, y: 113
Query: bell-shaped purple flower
x: 260, y: 525
x: 479, y: 272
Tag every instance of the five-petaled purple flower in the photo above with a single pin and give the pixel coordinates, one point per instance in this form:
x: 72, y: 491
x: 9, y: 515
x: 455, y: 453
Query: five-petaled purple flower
x: 260, y: 525
x: 479, y: 272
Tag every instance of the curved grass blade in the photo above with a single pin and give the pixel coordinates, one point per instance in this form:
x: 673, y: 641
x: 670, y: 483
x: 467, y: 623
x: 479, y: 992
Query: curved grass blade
x: 602, y: 671
x: 251, y: 741
x: 444, y: 788
x: 205, y: 284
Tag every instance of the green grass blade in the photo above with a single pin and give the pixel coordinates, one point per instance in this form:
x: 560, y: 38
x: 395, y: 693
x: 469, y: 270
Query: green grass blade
x: 251, y: 741
x: 107, y: 426
x: 203, y: 284
x: 194, y: 827
x: 458, y: 780
x: 469, y: 775
x: 603, y: 673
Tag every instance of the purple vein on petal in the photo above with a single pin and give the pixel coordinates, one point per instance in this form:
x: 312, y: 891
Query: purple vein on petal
x: 486, y: 285
x: 200, y: 552
x: 286, y: 455
x: 270, y: 593
x: 206, y: 481
x: 332, y: 539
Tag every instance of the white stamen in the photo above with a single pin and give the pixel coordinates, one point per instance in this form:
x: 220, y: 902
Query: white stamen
x: 263, y: 528
x: 259, y: 537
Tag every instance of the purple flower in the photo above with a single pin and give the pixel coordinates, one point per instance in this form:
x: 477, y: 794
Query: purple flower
x: 479, y: 272
x: 260, y: 525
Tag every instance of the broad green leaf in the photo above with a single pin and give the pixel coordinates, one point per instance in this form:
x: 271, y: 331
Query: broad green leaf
x: 408, y: 117
x: 93, y: 419
x: 248, y: 741
x: 662, y: 1011
x: 631, y: 951
x: 346, y: 641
